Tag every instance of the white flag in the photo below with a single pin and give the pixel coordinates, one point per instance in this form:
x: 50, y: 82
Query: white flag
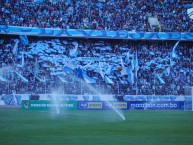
x: 15, y: 48
x: 160, y: 79
x: 174, y: 54
x: 21, y: 77
x: 2, y: 79
x: 190, y: 13
x: 100, y: 71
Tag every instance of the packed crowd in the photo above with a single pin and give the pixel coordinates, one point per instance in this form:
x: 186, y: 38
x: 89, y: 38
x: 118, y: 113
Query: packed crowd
x: 130, y: 15
x: 75, y: 66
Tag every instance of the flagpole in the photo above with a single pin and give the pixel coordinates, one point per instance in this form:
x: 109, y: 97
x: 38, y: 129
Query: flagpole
x: 136, y: 72
x: 118, y: 88
x: 45, y: 87
x: 99, y: 86
x: 136, y: 82
x: 154, y: 84
x: 81, y: 87
x: 190, y: 74
x: 8, y: 87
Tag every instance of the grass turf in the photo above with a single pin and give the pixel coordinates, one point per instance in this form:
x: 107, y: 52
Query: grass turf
x: 19, y: 127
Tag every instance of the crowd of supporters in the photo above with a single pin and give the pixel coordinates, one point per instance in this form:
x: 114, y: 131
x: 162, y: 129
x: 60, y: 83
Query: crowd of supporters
x: 42, y: 62
x: 130, y: 15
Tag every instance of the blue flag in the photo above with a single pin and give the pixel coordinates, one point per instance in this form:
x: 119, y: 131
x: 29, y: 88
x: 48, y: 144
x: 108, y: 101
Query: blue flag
x: 136, y: 63
x: 24, y: 40
x: 15, y: 48
x: 88, y: 79
x: 22, y: 60
x: 36, y: 68
x: 79, y: 73
x: 100, y: 70
x: 68, y: 70
x: 130, y: 75
x: 167, y: 71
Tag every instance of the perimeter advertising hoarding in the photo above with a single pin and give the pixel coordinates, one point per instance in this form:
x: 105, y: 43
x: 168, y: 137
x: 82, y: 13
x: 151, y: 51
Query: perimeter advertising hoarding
x: 88, y: 105
x: 156, y: 105
x: 101, y: 105
x: 131, y: 105
x: 47, y: 104
x: 117, y: 105
x: 84, y: 105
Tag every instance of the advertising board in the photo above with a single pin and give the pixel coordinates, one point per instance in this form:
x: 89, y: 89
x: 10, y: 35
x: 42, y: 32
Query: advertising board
x: 47, y: 104
x: 84, y: 105
x: 102, y: 105
x: 155, y: 105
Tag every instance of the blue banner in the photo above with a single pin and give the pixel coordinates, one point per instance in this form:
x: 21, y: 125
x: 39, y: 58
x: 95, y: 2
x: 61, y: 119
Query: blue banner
x: 105, y: 34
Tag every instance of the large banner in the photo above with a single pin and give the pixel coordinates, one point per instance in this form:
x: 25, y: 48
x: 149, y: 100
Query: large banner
x: 46, y: 105
x: 105, y: 34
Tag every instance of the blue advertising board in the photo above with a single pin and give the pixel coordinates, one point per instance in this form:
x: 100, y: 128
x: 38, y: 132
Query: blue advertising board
x: 117, y: 105
x: 131, y: 105
x: 156, y: 105
x: 84, y: 105
x: 93, y: 105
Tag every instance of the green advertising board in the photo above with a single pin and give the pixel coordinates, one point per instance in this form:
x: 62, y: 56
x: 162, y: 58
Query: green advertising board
x: 47, y: 105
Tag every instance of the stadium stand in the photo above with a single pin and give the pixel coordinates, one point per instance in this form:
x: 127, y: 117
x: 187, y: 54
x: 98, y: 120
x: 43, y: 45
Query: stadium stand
x: 111, y: 67
x: 91, y: 14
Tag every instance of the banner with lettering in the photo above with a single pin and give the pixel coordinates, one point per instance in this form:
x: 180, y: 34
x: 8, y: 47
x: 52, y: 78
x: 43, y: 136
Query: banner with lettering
x: 156, y: 105
x: 105, y: 34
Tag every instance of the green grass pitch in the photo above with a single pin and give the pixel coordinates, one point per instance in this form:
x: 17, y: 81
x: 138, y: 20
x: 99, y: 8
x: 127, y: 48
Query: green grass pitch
x: 19, y: 127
